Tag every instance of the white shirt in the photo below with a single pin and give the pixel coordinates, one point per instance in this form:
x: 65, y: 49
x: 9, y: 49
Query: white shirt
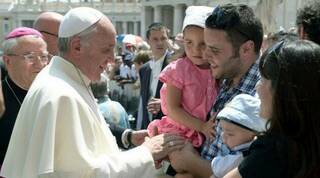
x: 156, y: 66
x: 221, y: 165
x: 60, y: 133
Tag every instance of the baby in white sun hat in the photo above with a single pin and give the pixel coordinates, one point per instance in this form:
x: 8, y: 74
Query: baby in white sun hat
x: 240, y: 124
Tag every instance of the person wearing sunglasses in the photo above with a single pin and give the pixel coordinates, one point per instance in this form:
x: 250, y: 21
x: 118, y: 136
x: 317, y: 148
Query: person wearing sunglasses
x: 289, y: 93
x: 24, y: 54
x: 47, y: 23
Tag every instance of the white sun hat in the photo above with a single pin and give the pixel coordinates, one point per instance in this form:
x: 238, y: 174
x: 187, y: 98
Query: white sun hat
x: 196, y: 15
x: 77, y: 20
x: 243, y: 110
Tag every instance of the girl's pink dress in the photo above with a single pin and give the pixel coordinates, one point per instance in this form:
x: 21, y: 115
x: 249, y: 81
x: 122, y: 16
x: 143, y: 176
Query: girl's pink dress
x: 198, y: 92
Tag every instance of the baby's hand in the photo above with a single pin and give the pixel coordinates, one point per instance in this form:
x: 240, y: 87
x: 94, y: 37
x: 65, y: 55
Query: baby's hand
x: 208, y: 129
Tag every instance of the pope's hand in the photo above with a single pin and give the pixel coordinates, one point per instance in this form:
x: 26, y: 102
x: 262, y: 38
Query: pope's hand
x: 161, y: 145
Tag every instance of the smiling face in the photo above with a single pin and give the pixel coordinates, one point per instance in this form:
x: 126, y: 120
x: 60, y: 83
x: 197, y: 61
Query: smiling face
x: 21, y: 71
x: 221, y: 55
x: 97, y: 50
x: 264, y: 90
x: 194, y: 45
x: 234, y: 135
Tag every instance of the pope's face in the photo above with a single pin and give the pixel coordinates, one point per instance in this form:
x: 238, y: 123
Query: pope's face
x: 98, y: 50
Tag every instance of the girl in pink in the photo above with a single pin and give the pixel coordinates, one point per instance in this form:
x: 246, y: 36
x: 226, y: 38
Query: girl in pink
x: 189, y: 90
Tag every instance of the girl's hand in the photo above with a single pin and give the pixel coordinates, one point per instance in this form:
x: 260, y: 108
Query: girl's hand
x: 208, y: 129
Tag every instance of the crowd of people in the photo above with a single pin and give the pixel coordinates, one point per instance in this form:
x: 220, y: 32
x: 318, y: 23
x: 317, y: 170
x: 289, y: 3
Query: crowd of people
x: 223, y: 100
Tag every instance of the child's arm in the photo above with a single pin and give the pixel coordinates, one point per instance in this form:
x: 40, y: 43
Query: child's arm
x: 177, y: 113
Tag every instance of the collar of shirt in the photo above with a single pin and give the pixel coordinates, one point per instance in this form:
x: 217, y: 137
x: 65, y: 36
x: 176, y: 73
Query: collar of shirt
x: 249, y: 80
x: 242, y: 147
x: 246, y: 85
x: 157, y: 63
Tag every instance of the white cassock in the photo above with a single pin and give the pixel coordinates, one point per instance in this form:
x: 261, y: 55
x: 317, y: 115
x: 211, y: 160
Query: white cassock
x: 59, y: 132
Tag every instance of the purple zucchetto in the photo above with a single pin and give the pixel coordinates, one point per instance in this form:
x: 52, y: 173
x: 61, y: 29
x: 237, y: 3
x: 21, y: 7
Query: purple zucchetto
x: 22, y: 31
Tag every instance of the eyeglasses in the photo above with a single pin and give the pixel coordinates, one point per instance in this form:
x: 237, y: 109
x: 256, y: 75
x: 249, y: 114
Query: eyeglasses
x: 49, y: 33
x: 224, y: 20
x: 33, y: 57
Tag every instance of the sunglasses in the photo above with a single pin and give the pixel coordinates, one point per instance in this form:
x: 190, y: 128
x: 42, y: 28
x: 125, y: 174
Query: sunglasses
x: 275, y: 50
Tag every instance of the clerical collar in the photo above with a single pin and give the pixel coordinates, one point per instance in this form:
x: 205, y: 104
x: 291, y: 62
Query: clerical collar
x: 86, y: 80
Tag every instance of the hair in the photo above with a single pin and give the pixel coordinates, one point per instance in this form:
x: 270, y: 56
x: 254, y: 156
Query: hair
x: 9, y: 44
x: 294, y: 71
x: 64, y: 43
x: 156, y: 26
x: 281, y: 35
x: 309, y: 18
x: 240, y: 24
x: 100, y: 88
x: 142, y: 57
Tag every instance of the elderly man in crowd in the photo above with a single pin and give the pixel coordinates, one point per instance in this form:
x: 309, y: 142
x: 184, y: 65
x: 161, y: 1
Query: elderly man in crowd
x: 47, y: 23
x: 25, y: 54
x: 59, y: 130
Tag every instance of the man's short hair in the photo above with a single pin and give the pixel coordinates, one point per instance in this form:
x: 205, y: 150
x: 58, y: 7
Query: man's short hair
x: 309, y: 18
x: 239, y: 22
x: 156, y: 26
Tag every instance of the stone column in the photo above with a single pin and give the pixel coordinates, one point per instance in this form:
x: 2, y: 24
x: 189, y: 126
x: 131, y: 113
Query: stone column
x: 178, y: 18
x: 157, y: 14
x: 124, y: 27
x: 143, y: 21
x: 135, y: 28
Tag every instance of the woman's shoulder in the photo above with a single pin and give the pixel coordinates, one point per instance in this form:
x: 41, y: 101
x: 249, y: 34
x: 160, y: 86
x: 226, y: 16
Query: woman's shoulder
x: 267, y: 152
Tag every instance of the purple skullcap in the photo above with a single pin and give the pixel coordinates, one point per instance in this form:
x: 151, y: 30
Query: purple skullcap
x: 22, y: 31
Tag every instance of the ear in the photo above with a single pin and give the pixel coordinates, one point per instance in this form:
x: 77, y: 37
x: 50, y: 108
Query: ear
x: 247, y: 48
x: 75, y: 46
x: 6, y: 61
x: 301, y: 33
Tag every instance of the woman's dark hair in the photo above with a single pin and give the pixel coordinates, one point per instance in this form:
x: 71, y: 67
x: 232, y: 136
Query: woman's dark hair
x: 294, y: 71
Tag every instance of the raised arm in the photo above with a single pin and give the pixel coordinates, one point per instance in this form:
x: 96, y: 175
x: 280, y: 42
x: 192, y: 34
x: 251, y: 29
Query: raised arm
x: 177, y: 113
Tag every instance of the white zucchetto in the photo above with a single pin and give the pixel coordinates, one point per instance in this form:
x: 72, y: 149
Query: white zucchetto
x: 77, y: 20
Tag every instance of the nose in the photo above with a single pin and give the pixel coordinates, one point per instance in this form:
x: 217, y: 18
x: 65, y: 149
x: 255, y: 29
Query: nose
x: 199, y: 50
x: 224, y: 138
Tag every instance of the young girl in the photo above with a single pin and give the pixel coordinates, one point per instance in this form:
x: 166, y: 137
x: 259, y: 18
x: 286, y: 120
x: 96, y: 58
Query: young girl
x: 189, y: 89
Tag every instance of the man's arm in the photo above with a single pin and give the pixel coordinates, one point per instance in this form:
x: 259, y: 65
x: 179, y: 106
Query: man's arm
x: 127, y: 138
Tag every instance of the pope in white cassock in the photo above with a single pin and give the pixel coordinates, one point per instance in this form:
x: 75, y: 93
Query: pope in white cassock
x: 59, y: 131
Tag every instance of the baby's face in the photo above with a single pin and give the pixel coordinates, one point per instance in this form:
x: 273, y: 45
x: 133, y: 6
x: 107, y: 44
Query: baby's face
x: 234, y: 135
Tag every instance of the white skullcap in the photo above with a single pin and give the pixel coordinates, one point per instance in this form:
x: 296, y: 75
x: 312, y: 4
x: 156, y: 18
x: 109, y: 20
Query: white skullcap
x: 243, y: 110
x: 77, y: 20
x: 196, y: 15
